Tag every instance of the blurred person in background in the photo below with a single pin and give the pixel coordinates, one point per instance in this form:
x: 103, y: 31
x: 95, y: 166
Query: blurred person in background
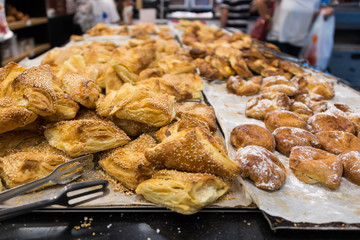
x: 290, y: 22
x: 90, y: 12
x: 235, y: 14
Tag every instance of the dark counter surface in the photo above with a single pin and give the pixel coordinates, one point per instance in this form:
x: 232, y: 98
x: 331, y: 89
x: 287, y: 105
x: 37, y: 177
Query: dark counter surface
x: 154, y: 225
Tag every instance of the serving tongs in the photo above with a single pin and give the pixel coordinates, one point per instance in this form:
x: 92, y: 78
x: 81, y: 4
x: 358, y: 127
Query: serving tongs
x: 271, y: 53
x: 62, y: 174
x: 71, y: 195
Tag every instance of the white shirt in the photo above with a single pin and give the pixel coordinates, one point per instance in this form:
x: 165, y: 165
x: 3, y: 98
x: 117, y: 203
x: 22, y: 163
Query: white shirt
x: 104, y: 11
x: 292, y: 20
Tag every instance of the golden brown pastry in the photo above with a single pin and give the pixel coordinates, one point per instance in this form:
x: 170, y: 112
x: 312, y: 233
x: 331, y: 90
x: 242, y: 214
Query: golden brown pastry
x: 115, y: 100
x: 96, y: 55
x: 320, y: 86
x: 222, y: 64
x: 186, y: 122
x: 338, y: 142
x: 82, y: 90
x: 193, y: 150
x: 150, y: 73
x: 351, y: 164
x: 127, y: 164
x: 79, y: 137
x: 176, y: 64
x: 129, y: 63
x: 72, y: 65
x: 301, y: 110
x: 154, y: 111
x: 13, y: 116
x: 312, y: 165
x: 182, y: 86
x: 288, y: 137
x: 261, y: 166
x: 65, y: 108
x: 207, y: 70
x: 30, y: 164
x: 198, y: 111
x: 288, y: 66
x: 132, y: 128
x: 279, y: 84
x: 7, y: 75
x: 182, y: 192
x: 258, y: 106
x: 34, y: 89
x: 240, y: 67
x: 282, y: 118
x: 252, y: 134
x: 238, y: 86
x: 328, y: 121
x: 16, y: 140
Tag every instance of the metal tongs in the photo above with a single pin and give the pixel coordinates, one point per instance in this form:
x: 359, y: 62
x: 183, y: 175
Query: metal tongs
x: 71, y: 195
x: 270, y: 53
x: 64, y: 173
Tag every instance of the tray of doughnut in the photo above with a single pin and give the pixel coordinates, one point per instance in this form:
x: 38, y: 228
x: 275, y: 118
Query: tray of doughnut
x: 292, y: 129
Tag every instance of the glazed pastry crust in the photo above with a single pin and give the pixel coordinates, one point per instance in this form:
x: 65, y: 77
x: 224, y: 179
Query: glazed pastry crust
x: 30, y: 164
x: 338, y: 142
x: 312, y: 165
x: 276, y: 119
x: 261, y: 166
x: 252, y: 134
x: 193, y: 150
x: 128, y: 163
x: 328, y: 121
x: 34, y: 89
x: 13, y: 116
x: 258, y: 106
x: 79, y: 137
x: 288, y: 137
x: 351, y: 163
x: 7, y: 75
x: 238, y: 86
x: 198, y: 111
x: 82, y: 90
x: 185, y: 193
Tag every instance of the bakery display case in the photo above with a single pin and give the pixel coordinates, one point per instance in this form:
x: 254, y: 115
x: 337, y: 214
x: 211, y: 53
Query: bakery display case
x: 188, y: 123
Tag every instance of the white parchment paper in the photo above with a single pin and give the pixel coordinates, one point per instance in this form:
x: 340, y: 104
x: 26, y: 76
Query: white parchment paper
x: 296, y: 201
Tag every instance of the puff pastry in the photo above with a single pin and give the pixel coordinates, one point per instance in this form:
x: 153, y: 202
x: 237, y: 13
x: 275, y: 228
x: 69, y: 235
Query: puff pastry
x: 128, y: 164
x: 198, y: 111
x: 34, y: 89
x: 7, y: 75
x: 132, y: 128
x: 30, y: 164
x: 65, y: 108
x: 176, y: 64
x: 79, y: 137
x: 16, y: 140
x: 288, y: 137
x: 240, y: 67
x: 261, y: 166
x: 258, y: 106
x: 237, y: 85
x: 252, y: 134
x: 207, y: 70
x: 338, y: 142
x: 279, y: 84
x: 193, y: 150
x: 312, y: 165
x: 301, y: 110
x: 82, y: 90
x: 13, y: 116
x: 351, y: 163
x: 282, y: 118
x: 185, y: 193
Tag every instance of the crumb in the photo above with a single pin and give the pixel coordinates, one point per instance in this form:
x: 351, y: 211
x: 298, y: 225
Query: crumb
x: 77, y: 227
x: 93, y: 234
x: 249, y: 224
x: 30, y: 229
x: 148, y: 238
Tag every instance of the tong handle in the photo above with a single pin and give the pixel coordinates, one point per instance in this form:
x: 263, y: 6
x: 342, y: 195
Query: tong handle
x: 5, y: 195
x: 19, y: 210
